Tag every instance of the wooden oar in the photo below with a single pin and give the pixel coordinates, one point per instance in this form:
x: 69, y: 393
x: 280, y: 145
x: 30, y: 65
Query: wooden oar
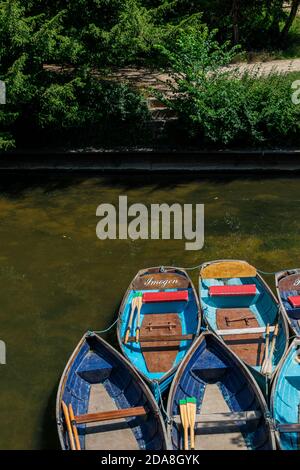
x: 267, y: 341
x: 139, y: 303
x: 68, y: 424
x: 269, y: 364
x: 191, y: 410
x: 74, y: 428
x: 185, y: 423
x: 133, y: 305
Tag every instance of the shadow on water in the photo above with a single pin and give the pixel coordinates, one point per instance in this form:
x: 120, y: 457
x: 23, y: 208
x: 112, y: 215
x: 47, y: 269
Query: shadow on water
x: 48, y: 438
x: 14, y: 184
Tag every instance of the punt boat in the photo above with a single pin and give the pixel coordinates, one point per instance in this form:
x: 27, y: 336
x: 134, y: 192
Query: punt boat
x: 288, y: 291
x: 103, y: 404
x: 229, y: 411
x: 285, y: 399
x: 159, y: 319
x: 241, y: 309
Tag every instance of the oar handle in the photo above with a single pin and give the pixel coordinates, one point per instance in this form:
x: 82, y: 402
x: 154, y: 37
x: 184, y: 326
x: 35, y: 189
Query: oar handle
x: 267, y: 342
x: 127, y: 335
x: 137, y: 334
x: 133, y: 305
x: 139, y: 303
x: 186, y: 437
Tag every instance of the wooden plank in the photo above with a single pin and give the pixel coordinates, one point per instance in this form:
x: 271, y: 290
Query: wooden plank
x: 228, y: 270
x: 108, y: 415
x: 223, y: 418
x: 295, y: 427
x: 248, y: 346
x: 244, y: 331
x: 150, y: 339
x: 161, y: 354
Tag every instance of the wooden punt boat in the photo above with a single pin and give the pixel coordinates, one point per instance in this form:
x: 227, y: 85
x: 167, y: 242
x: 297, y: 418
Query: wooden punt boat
x: 288, y: 291
x: 112, y: 406
x: 230, y: 412
x: 162, y: 327
x: 241, y: 309
x: 285, y: 399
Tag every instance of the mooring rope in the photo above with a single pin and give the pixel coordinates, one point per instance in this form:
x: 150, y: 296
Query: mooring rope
x: 271, y: 272
x: 107, y: 329
x: 266, y: 273
x: 161, y: 402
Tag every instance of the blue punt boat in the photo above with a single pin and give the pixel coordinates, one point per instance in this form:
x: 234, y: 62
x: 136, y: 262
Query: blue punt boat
x: 288, y: 291
x: 103, y: 404
x: 230, y: 411
x: 159, y: 319
x: 285, y: 399
x: 241, y: 309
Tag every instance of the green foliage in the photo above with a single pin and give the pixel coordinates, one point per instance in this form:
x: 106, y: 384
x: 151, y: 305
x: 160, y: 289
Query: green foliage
x: 217, y: 105
x: 84, y: 39
x: 61, y: 100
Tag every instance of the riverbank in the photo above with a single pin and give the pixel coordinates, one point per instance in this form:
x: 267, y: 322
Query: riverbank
x: 153, y: 160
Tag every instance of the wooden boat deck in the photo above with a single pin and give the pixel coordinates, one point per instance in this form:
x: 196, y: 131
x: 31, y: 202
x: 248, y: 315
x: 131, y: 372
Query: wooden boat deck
x: 249, y: 347
x: 217, y: 438
x: 160, y: 355
x: 111, y: 435
x: 227, y: 270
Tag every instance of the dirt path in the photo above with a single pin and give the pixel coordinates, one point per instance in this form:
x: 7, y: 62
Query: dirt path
x: 145, y: 78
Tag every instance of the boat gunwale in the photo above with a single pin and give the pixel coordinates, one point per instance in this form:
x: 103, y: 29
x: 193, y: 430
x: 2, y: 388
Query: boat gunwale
x: 137, y: 377
x: 278, y: 277
x: 285, y: 323
x: 140, y: 273
x: 243, y: 368
x: 296, y: 341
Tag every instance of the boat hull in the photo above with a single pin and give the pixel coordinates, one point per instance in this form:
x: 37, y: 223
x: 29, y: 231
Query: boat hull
x: 230, y: 408
x: 157, y: 361
x: 288, y: 284
x: 285, y: 398
x: 98, y: 379
x: 243, y: 314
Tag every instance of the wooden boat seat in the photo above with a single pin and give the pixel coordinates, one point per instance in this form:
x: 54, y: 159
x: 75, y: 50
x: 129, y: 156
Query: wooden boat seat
x: 247, y: 345
x: 244, y: 331
x: 160, y: 353
x: 150, y: 339
x: 289, y: 428
x: 223, y: 418
x: 109, y: 415
x: 233, y: 290
x: 176, y: 296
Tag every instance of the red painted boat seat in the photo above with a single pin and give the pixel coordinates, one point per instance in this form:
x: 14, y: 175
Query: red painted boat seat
x: 294, y: 300
x: 176, y: 296
x: 243, y: 289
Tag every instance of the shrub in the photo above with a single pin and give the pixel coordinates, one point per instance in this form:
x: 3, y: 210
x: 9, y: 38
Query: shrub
x: 217, y: 104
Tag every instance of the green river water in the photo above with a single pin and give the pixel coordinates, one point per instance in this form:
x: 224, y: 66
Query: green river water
x: 59, y: 280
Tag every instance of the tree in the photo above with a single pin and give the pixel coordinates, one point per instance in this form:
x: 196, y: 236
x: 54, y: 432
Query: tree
x: 294, y: 9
